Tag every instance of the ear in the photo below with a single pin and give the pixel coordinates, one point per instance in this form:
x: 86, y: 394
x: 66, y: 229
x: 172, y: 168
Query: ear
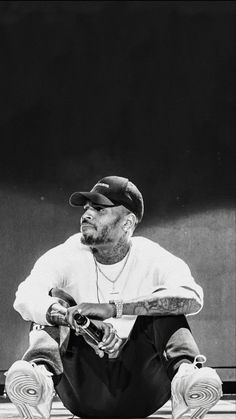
x: 129, y: 222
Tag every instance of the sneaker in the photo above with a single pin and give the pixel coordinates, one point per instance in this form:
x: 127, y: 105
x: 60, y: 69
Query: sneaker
x: 30, y: 388
x: 194, y: 390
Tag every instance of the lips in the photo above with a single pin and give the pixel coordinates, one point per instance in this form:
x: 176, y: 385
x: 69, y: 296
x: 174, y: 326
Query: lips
x: 86, y: 225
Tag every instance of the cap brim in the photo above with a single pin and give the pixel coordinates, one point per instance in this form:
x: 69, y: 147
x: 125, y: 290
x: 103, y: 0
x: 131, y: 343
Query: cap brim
x: 78, y: 199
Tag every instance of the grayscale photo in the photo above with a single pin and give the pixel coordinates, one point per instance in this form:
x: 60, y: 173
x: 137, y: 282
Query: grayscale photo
x: 117, y: 173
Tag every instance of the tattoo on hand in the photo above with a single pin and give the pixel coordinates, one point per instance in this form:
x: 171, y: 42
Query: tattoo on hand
x: 56, y: 314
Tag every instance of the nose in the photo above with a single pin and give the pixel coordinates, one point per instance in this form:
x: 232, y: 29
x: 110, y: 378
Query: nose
x: 87, y: 215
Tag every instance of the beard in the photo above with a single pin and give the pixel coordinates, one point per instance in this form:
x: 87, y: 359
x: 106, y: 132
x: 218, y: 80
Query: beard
x: 94, y: 238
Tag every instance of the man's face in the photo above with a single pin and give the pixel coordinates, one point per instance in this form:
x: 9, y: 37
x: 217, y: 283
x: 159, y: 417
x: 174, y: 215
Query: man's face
x: 101, y: 225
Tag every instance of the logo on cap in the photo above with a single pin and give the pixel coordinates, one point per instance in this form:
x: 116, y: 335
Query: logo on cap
x: 101, y: 184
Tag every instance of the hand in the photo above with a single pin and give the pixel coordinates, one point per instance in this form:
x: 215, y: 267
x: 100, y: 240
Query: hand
x: 111, y: 342
x: 91, y: 310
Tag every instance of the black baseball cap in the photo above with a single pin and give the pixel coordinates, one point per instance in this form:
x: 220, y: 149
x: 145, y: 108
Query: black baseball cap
x: 112, y: 191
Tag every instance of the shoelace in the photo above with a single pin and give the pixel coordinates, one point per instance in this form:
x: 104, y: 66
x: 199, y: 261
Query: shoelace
x: 199, y: 359
x: 43, y: 369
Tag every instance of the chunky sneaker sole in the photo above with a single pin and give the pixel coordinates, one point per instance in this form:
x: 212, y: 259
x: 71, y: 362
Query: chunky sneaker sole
x: 25, y: 388
x: 203, y: 389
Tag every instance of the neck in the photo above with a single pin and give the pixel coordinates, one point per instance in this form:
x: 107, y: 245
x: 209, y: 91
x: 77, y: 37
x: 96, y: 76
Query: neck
x: 111, y: 254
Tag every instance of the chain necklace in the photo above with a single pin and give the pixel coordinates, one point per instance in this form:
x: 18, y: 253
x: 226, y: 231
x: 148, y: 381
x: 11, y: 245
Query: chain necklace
x: 113, y: 281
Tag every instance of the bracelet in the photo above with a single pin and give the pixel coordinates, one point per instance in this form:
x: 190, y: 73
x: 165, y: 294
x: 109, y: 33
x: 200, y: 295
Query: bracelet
x: 118, y: 304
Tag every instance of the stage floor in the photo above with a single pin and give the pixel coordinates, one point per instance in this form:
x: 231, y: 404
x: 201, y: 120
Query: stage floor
x: 224, y: 409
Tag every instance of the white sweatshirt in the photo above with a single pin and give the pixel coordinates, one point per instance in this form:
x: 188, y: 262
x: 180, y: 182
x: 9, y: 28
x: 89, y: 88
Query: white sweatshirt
x: 71, y: 267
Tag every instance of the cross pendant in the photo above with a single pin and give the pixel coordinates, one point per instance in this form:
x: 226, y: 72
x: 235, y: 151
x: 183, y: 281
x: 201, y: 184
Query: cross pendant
x: 114, y: 292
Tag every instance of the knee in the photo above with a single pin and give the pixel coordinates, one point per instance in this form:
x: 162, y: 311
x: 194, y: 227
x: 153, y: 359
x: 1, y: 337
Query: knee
x: 171, y: 328
x: 44, y: 335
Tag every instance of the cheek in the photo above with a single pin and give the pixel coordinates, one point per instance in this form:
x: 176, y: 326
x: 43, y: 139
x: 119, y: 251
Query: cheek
x: 112, y: 228
x: 115, y: 230
x: 106, y: 232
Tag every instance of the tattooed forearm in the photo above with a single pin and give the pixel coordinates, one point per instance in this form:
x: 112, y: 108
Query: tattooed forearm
x: 162, y: 306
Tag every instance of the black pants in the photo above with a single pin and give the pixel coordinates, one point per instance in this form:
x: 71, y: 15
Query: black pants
x: 136, y: 383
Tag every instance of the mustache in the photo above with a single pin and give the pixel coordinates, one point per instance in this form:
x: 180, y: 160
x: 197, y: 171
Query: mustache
x: 86, y: 222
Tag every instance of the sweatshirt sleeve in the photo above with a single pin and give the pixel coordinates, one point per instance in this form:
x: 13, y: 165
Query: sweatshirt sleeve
x: 32, y: 297
x: 177, y: 280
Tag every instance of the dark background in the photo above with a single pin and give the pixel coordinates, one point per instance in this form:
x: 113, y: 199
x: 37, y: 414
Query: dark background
x: 144, y: 90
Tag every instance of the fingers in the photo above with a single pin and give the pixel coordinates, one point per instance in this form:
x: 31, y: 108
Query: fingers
x: 108, y: 330
x: 79, y: 332
x: 111, y: 342
x: 70, y: 319
x: 117, y: 345
x: 113, y: 346
x: 99, y: 352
